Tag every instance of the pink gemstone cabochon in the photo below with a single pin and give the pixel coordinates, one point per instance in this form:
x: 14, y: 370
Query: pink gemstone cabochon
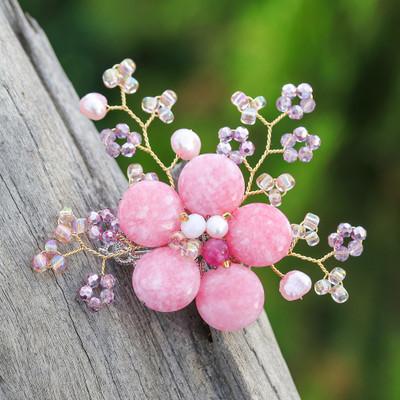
x: 166, y: 281
x: 149, y: 213
x: 211, y: 184
x: 231, y: 298
x: 259, y: 235
x: 294, y: 285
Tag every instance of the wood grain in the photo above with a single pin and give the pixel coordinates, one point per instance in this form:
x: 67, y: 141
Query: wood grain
x: 50, y: 346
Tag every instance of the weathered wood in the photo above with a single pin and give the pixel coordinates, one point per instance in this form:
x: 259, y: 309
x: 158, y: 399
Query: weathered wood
x: 50, y: 346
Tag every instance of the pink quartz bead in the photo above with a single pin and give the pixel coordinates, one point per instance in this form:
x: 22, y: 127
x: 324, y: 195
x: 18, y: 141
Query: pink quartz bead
x: 294, y: 285
x: 215, y: 252
x: 186, y: 144
x: 231, y: 298
x: 149, y: 213
x: 259, y: 235
x: 211, y: 184
x: 93, y: 106
x: 166, y: 281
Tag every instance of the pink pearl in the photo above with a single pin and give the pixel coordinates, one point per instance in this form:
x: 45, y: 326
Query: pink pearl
x: 294, y: 285
x: 149, y: 213
x: 215, y: 252
x: 211, y: 184
x: 186, y: 144
x: 259, y: 235
x: 231, y: 298
x: 93, y: 106
x: 166, y: 281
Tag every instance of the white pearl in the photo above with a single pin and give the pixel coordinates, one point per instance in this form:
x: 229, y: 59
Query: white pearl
x: 194, y: 227
x: 217, y: 226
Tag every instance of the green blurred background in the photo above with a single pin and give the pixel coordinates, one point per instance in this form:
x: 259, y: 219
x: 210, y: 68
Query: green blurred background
x: 348, y: 50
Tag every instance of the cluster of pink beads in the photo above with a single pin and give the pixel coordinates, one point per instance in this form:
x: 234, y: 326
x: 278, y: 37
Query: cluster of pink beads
x: 248, y: 107
x: 305, y: 153
x: 355, y: 235
x: 240, y: 135
x: 104, y: 285
x: 121, y: 131
x: 68, y: 225
x: 303, y: 92
x: 103, y: 226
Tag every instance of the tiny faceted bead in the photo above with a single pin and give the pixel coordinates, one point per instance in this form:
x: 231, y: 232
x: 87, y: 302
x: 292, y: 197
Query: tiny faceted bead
x: 285, y: 182
x: 165, y: 115
x: 215, y: 252
x: 247, y: 148
x: 283, y: 103
x: 295, y: 112
x: 217, y: 227
x: 275, y: 197
x: 339, y: 294
x: 341, y: 253
x: 312, y: 238
x: 85, y: 293
x: 194, y: 226
x: 134, y: 170
x: 345, y: 229
x: 359, y: 233
x: 95, y: 232
x: 107, y: 296
x: 322, y: 287
x: 127, y: 67
x: 113, y: 149
x: 168, y: 98
x: 335, y: 240
x: 249, y: 116
x: 57, y: 263
x: 93, y: 280
x: 51, y: 246
x: 150, y: 176
x: 121, y: 131
x: 337, y: 275
x: 94, y: 218
x: 39, y: 262
x: 149, y: 104
x: 240, y: 134
x: 355, y: 248
x: 265, y: 182
x: 111, y: 78
x: 186, y: 144
x: 191, y: 248
x: 311, y: 221
x: 107, y: 136
x: 131, y: 85
x: 94, y: 304
x: 225, y: 134
x: 289, y: 90
x: 308, y: 105
x: 128, y: 149
x: 107, y: 281
x: 288, y: 140
x: 224, y: 148
x: 236, y: 156
x: 63, y: 234
x: 134, y: 138
x: 259, y: 102
x: 305, y: 154
x: 240, y: 100
x: 304, y: 91
x: 290, y: 155
x: 66, y: 216
x: 313, y: 142
x: 93, y: 106
x: 300, y: 134
x: 294, y: 285
x: 79, y: 226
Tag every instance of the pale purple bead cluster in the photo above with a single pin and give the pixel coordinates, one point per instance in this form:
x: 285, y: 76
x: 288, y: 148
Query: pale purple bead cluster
x: 303, y: 92
x: 248, y: 107
x: 109, y: 138
x: 98, y: 291
x: 355, y: 236
x: 305, y: 153
x: 240, y: 135
x: 103, y: 226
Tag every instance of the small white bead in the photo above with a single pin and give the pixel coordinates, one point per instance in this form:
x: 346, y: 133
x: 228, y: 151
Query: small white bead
x: 194, y: 227
x: 217, y: 226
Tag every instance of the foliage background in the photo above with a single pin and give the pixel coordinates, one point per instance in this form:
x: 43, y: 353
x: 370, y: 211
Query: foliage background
x: 348, y: 50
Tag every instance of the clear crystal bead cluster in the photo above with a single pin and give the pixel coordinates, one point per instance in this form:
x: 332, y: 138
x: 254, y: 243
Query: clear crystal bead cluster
x: 121, y: 75
x: 275, y: 188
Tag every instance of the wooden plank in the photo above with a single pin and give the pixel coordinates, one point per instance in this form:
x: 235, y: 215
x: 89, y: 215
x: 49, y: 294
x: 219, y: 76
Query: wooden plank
x: 51, y: 347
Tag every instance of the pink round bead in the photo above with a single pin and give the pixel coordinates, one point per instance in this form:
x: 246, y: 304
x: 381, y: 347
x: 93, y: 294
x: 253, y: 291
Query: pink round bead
x: 186, y: 144
x: 93, y: 106
x: 231, y: 298
x: 149, y: 213
x: 215, y: 252
x: 166, y: 281
x: 211, y: 184
x: 259, y: 235
x: 294, y: 285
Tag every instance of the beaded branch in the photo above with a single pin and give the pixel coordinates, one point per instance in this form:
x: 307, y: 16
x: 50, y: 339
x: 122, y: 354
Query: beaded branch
x: 196, y: 242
